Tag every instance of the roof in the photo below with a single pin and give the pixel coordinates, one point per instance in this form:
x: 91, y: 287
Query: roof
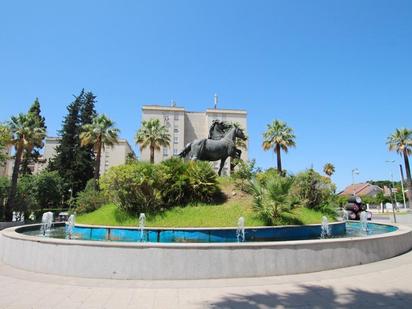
x: 361, y: 189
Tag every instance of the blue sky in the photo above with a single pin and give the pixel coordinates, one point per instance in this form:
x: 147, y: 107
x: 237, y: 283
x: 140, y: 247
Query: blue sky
x: 338, y: 72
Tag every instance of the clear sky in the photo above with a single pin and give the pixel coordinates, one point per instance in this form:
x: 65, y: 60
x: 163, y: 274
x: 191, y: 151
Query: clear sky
x: 338, y: 72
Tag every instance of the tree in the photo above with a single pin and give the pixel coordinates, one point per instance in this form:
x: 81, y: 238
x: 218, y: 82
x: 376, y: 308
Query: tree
x: 99, y: 133
x: 401, y: 142
x: 279, y: 137
x: 329, y: 169
x: 5, y: 139
x: 32, y: 155
x: 85, y: 153
x: 65, y: 160
x: 152, y: 134
x: 74, y: 162
x: 25, y: 134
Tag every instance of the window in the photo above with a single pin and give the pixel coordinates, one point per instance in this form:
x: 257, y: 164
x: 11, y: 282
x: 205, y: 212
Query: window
x: 175, y: 151
x: 176, y: 117
x: 165, y: 152
x: 176, y: 130
x: 176, y: 140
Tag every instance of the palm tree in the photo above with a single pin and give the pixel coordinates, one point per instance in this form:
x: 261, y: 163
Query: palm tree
x: 329, y: 169
x: 279, y: 137
x: 100, y: 133
x: 152, y: 134
x: 401, y: 142
x: 25, y: 134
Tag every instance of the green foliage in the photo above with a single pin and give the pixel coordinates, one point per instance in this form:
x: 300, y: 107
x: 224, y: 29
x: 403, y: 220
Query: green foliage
x: 134, y: 187
x: 152, y: 134
x: 278, y: 136
x: 312, y: 189
x: 32, y: 154
x: 176, y: 182
x: 36, y: 192
x: 75, y: 163
x: 142, y: 187
x: 25, y: 134
x: 272, y: 198
x: 90, y: 199
x: 5, y: 139
x: 203, y: 181
x: 243, y: 173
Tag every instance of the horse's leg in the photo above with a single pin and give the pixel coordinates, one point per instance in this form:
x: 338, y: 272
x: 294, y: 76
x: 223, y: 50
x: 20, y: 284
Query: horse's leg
x: 222, y: 163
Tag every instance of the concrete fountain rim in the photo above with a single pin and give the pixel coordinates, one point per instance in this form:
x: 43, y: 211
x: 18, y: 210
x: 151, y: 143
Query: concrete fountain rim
x: 13, y: 233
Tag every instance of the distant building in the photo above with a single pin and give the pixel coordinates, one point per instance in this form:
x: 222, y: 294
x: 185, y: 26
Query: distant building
x: 361, y: 189
x: 185, y: 126
x: 111, y: 156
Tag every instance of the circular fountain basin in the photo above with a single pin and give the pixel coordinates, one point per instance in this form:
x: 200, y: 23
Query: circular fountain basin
x: 183, y: 259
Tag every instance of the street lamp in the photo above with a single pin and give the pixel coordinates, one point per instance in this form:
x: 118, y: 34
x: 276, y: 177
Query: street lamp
x: 393, y: 184
x: 392, y: 193
x: 355, y: 171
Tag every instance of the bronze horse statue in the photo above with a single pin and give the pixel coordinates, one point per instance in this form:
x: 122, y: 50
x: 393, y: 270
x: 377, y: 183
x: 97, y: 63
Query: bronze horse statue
x: 215, y: 149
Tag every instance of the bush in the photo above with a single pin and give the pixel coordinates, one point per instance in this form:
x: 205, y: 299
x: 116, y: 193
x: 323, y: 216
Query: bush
x: 313, y: 190
x: 271, y: 197
x: 244, y: 172
x: 203, y: 181
x: 134, y: 187
x: 175, y: 182
x: 143, y: 187
x: 89, y: 199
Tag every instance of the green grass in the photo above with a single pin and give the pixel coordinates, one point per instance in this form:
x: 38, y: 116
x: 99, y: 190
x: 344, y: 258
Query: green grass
x: 202, y: 215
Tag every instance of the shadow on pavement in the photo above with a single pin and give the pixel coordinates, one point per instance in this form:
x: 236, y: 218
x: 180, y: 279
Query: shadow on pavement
x: 318, y: 297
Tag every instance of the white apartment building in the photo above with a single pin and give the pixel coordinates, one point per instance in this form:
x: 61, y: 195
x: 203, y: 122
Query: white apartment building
x: 111, y: 156
x: 185, y: 126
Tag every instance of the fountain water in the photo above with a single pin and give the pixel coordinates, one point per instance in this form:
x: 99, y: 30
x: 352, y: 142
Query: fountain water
x: 240, y: 232
x: 325, y: 229
x: 345, y: 215
x: 70, y: 226
x: 364, y: 221
x: 46, y: 223
x: 142, y: 219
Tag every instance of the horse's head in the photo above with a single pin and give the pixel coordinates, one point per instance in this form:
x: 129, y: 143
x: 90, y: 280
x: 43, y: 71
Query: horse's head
x: 240, y: 134
x: 218, y: 129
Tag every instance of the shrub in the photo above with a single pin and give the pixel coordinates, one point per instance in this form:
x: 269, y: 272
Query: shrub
x: 135, y: 187
x: 312, y: 189
x: 243, y: 173
x: 203, y: 181
x: 271, y: 197
x: 90, y: 199
x: 175, y: 184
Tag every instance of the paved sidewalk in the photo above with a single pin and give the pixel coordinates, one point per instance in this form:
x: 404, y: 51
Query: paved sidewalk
x: 385, y: 284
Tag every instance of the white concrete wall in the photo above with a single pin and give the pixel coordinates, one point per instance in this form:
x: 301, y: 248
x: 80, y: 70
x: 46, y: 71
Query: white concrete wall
x: 94, y: 259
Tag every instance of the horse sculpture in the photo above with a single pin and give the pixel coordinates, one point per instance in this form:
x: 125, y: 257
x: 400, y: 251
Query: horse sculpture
x: 214, y: 150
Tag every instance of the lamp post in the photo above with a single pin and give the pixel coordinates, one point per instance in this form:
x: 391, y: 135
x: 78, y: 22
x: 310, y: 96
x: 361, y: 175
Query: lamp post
x: 354, y: 171
x: 392, y: 193
x: 393, y: 184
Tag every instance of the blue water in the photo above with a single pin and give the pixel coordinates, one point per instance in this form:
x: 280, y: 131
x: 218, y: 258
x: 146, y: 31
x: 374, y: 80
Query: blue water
x: 351, y: 229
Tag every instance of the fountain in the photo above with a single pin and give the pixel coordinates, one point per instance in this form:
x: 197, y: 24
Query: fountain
x: 240, y: 232
x: 70, y: 226
x: 345, y: 215
x: 46, y: 223
x: 142, y: 219
x: 364, y: 221
x: 325, y: 229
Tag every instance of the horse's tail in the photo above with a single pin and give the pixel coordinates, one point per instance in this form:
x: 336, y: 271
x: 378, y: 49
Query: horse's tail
x: 185, y: 151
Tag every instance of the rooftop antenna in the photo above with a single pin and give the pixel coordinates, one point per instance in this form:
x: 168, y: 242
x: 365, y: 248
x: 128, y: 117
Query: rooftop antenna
x: 173, y: 103
x: 215, y: 100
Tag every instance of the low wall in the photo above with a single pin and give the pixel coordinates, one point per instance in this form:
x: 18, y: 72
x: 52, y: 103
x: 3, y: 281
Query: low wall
x: 93, y: 259
x: 5, y: 225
